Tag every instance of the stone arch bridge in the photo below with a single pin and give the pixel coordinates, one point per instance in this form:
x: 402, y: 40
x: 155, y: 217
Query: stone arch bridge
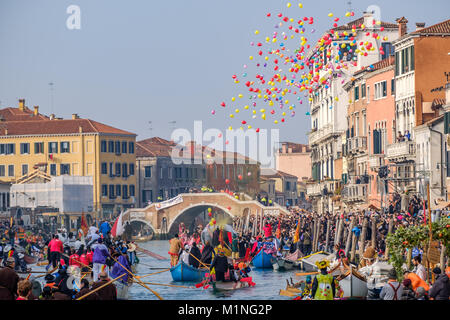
x: 164, y: 217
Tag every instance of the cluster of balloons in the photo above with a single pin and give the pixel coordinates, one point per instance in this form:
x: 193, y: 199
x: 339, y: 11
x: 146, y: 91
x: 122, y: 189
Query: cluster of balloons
x: 284, y: 73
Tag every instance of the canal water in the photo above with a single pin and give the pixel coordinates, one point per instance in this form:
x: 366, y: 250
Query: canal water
x: 268, y: 282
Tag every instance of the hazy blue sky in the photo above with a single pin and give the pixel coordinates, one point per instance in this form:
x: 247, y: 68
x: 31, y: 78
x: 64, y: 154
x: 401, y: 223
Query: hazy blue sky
x: 137, y: 61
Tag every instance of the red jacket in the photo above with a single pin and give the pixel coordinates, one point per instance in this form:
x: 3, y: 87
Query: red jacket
x: 84, y: 259
x: 74, y: 260
x: 90, y: 255
x: 55, y: 245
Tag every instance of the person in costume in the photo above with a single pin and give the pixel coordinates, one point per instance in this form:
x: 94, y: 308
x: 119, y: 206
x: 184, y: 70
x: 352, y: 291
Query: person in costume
x: 174, y: 250
x: 323, y: 287
x: 372, y: 271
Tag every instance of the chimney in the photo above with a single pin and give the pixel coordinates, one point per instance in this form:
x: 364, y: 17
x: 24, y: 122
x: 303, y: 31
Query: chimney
x: 420, y: 26
x: 289, y: 150
x: 368, y: 19
x: 21, y: 104
x: 75, y: 116
x: 6, y: 131
x: 283, y: 148
x: 80, y: 129
x: 36, y: 110
x: 303, y: 149
x: 52, y: 116
x: 402, y: 26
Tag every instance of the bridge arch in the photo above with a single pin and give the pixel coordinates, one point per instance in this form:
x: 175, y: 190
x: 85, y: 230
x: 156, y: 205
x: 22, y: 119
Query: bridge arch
x: 174, y: 219
x: 144, y: 222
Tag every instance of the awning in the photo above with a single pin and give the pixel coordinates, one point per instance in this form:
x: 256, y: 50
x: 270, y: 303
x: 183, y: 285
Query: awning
x: 441, y: 205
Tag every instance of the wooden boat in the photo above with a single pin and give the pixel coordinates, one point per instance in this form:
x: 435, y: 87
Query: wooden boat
x: 294, y: 257
x: 292, y: 289
x: 122, y: 290
x: 263, y: 260
x: 142, y: 238
x: 308, y: 263
x: 30, y: 259
x: 228, y: 286
x: 184, y: 272
x: 352, y: 283
x: 283, y: 264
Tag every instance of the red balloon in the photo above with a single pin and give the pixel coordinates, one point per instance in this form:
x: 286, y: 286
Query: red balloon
x: 239, y: 177
x: 229, y: 208
x: 227, y: 181
x: 210, y: 214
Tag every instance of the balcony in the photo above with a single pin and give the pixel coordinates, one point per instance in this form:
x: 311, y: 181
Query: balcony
x: 318, y: 135
x: 357, y: 145
x: 355, y: 193
x: 401, y: 151
x: 316, y: 189
x: 376, y: 161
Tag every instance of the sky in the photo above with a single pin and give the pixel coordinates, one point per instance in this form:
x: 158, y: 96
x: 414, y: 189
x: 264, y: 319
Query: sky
x: 148, y: 66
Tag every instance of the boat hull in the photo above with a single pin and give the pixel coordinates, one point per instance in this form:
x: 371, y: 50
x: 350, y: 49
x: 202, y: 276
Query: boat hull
x: 263, y: 260
x: 122, y: 290
x: 229, y: 286
x: 184, y: 273
x: 283, y: 264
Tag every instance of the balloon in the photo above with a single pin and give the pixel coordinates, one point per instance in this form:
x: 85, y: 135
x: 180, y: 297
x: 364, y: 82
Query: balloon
x: 209, y: 209
x: 227, y: 181
x: 239, y: 177
x: 210, y: 214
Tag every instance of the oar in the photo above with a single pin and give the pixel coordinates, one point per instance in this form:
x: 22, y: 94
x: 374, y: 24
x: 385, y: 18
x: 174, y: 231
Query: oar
x: 49, y: 272
x: 102, y: 286
x: 199, y: 261
x: 151, y: 254
x: 139, y: 281
x: 306, y: 274
x: 169, y: 285
x: 76, y: 261
x: 150, y: 274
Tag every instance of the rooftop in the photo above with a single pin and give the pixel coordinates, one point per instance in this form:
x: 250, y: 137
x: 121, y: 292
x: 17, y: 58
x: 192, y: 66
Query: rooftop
x: 272, y: 173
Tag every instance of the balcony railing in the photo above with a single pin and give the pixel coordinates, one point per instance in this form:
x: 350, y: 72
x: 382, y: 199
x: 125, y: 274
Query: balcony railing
x: 355, y: 193
x: 316, y: 189
x: 357, y: 145
x: 401, y: 151
x: 376, y: 161
x: 316, y: 136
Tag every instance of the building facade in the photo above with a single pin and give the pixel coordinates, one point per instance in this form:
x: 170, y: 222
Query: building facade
x: 76, y: 147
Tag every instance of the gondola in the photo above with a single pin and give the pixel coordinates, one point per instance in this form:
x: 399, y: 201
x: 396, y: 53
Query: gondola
x: 263, y: 260
x: 184, y: 272
x: 230, y: 285
x: 283, y: 264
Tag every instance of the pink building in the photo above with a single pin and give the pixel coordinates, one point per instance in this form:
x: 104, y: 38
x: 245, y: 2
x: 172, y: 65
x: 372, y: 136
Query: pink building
x: 380, y: 124
x: 295, y: 159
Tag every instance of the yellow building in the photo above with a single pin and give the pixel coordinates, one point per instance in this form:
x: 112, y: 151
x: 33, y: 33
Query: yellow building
x: 79, y: 147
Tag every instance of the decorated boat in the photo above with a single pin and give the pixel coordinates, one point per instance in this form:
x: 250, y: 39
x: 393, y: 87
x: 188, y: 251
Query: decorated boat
x: 184, y: 272
x: 308, y: 263
x: 263, y: 260
x: 294, y: 257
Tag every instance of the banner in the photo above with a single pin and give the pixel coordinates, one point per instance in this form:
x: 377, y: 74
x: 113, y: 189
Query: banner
x: 169, y: 203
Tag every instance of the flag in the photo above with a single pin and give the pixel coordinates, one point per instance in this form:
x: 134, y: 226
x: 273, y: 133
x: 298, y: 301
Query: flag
x: 297, y: 232
x: 117, y: 229
x: 84, y: 225
x: 278, y: 233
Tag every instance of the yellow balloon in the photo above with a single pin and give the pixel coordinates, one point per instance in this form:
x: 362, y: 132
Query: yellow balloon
x: 300, y: 5
x: 330, y: 14
x: 246, y: 107
x: 237, y: 110
x: 288, y: 5
x: 251, y: 57
x: 256, y: 31
x: 276, y: 122
x: 240, y: 95
x: 231, y: 115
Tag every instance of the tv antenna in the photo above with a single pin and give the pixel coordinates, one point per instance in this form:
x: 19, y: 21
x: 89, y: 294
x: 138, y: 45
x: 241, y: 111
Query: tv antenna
x: 150, y: 128
x: 173, y: 123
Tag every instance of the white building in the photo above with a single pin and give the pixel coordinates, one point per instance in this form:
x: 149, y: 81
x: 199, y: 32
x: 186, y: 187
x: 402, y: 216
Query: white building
x: 328, y: 103
x: 4, y: 199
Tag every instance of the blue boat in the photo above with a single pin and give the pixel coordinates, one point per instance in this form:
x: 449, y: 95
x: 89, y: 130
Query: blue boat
x: 263, y: 260
x: 186, y: 273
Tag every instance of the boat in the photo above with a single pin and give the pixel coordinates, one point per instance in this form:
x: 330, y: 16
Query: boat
x: 263, y: 260
x: 30, y: 259
x: 352, y: 283
x: 142, y: 238
x: 294, y: 257
x: 229, y: 285
x: 292, y: 289
x: 184, y: 272
x: 283, y: 264
x: 308, y: 263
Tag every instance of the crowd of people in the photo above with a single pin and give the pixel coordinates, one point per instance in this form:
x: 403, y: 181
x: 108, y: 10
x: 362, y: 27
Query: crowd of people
x: 71, y: 260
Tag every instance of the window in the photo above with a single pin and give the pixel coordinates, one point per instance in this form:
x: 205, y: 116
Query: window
x: 169, y: 172
x: 131, y: 147
x: 132, y: 191
x: 363, y: 91
x: 111, y: 191
x: 118, y: 190
x: 24, y: 169
x: 388, y: 49
x: 368, y: 94
x: 11, y: 170
x: 147, y: 195
x: 380, y: 90
x: 117, y: 147
x: 104, y: 190
x: 103, y: 146
x: 53, y: 147
x: 24, y: 148
x: 288, y: 185
x: 64, y: 168
x: 356, y: 93
x: 10, y: 148
x: 397, y: 63
x: 65, y: 147
x: 393, y: 86
x: 124, y: 191
x: 124, y: 147
x: 345, y: 52
x: 38, y: 147
x: 111, y: 169
x: 118, y: 167
x: 2, y: 171
x: 53, y: 169
x: 161, y: 173
x: 131, y: 169
x: 148, y: 171
x: 104, y: 168
x: 124, y: 170
x: 111, y: 146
